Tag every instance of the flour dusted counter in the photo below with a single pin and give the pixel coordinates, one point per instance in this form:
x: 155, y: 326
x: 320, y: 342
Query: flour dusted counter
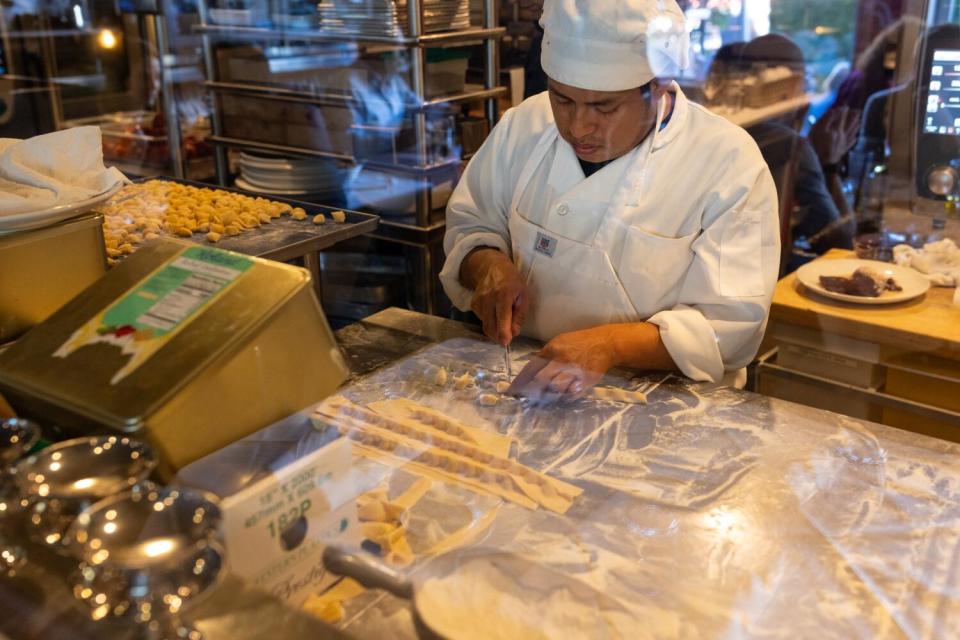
x: 708, y: 512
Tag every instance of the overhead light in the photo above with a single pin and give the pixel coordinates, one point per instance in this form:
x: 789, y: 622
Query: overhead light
x: 106, y: 39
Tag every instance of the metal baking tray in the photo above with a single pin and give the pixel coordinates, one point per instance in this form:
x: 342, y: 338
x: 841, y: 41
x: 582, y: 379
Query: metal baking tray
x: 285, y: 238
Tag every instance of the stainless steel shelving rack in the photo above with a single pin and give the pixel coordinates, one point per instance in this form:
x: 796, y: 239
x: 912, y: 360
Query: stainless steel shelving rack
x: 425, y: 234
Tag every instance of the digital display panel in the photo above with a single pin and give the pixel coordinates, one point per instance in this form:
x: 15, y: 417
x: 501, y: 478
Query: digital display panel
x: 942, y: 115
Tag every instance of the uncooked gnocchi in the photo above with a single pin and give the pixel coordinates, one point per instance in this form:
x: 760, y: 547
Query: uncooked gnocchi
x: 141, y: 212
x: 488, y: 400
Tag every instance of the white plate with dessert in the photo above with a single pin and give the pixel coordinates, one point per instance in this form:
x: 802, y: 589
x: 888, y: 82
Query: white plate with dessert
x: 862, y: 281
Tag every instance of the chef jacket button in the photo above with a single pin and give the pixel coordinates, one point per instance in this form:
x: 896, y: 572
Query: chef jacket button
x: 563, y: 209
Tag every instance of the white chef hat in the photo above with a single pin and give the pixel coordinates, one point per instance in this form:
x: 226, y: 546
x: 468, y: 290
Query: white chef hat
x: 612, y: 45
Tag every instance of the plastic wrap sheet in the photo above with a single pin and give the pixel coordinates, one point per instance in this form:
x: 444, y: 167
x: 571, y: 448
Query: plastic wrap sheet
x: 712, y: 512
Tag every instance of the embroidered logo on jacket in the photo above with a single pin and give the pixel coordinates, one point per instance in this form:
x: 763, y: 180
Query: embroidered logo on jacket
x: 545, y: 244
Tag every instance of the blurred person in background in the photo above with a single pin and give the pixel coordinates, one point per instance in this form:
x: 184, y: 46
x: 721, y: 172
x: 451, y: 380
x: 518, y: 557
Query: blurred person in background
x: 806, y: 170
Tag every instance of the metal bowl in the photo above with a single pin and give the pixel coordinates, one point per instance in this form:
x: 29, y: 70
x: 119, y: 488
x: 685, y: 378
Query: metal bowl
x: 146, y: 555
x: 63, y: 480
x: 17, y: 437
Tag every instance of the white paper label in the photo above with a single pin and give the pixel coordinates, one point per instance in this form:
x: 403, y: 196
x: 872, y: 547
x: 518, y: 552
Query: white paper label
x: 275, y: 531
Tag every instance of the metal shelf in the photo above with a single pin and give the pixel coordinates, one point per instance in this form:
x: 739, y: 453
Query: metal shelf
x: 343, y: 100
x: 424, y: 237
x: 426, y: 40
x: 283, y: 149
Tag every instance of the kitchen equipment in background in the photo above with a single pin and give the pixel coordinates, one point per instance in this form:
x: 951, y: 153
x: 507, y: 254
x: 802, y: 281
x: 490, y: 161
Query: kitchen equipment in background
x: 26, y: 108
x: 472, y: 132
x: 395, y: 144
x: 61, y: 481
x: 138, y: 141
x: 148, y: 556
x: 221, y: 345
x: 240, y: 13
x: 322, y: 179
x: 305, y: 126
x: 446, y: 71
x: 357, y: 285
x: 390, y: 17
x: 294, y: 14
x: 937, y: 135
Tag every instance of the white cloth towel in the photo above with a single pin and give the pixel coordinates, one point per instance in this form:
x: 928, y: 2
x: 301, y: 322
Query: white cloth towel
x: 938, y: 261
x: 53, y: 169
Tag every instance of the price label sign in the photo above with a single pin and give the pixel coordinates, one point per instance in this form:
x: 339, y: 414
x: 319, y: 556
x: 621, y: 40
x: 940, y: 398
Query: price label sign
x: 276, y: 529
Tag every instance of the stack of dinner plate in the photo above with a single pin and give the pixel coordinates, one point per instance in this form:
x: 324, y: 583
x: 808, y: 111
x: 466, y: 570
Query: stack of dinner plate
x: 389, y: 17
x: 289, y: 176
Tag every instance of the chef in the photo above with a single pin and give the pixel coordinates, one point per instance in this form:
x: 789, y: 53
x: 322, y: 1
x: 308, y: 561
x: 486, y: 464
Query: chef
x: 612, y: 218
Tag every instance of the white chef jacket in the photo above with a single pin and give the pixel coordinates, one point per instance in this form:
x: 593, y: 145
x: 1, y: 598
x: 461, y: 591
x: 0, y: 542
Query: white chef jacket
x: 683, y: 232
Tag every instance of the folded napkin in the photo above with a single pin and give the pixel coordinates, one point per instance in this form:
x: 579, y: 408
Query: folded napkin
x: 57, y: 168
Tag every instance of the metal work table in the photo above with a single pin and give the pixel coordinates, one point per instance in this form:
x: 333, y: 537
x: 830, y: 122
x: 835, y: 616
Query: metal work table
x: 709, y: 512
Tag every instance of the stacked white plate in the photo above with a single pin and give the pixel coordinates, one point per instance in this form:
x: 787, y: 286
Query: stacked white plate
x: 389, y: 17
x: 289, y: 176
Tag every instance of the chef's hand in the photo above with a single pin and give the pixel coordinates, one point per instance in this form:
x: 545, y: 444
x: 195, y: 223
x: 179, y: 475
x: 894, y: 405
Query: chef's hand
x: 568, y: 366
x: 500, y: 297
x: 834, y: 134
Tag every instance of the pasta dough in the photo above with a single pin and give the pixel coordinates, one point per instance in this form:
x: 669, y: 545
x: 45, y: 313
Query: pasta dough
x: 408, y: 442
x: 464, y: 381
x: 141, y: 212
x: 328, y: 606
x: 488, y: 400
x: 615, y: 394
x: 494, y: 443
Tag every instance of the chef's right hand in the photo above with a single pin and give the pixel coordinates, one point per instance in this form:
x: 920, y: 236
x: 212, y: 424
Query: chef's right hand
x: 500, y: 297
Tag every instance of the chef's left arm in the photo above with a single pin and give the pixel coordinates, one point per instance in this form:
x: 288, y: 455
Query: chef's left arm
x: 718, y: 322
x: 720, y: 316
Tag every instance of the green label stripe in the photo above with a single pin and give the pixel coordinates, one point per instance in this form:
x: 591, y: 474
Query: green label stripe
x: 175, y: 292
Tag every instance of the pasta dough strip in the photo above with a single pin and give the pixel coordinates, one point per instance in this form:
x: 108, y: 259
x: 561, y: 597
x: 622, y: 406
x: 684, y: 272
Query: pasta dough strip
x: 521, y: 480
x: 494, y: 443
x: 617, y: 394
x: 387, y: 447
x: 545, y: 488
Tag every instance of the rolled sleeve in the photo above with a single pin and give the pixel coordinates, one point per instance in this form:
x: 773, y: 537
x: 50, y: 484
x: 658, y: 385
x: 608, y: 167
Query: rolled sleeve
x: 691, y: 341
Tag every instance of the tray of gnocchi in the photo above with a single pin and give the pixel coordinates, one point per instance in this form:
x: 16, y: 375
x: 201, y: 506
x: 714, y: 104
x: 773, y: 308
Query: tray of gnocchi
x: 233, y: 219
